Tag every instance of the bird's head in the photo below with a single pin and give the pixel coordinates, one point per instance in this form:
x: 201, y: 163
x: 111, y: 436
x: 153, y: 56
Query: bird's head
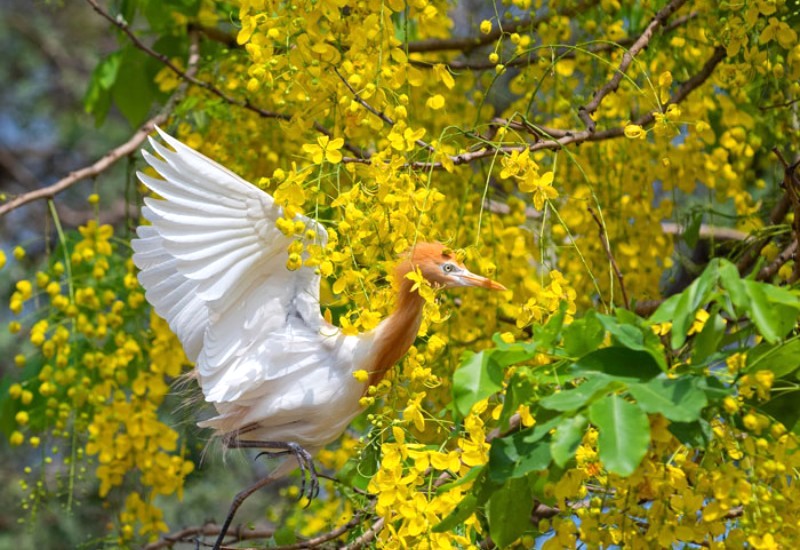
x: 439, y: 265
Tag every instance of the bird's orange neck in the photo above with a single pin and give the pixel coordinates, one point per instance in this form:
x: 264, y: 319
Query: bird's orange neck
x: 397, y: 333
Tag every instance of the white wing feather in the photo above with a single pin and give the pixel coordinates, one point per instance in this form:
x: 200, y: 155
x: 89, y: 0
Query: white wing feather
x: 213, y: 265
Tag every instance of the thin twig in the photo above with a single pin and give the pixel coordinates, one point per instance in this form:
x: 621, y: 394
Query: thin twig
x: 190, y: 534
x: 572, y: 136
x: 558, y: 53
x: 607, y: 247
x: 585, y: 112
x: 244, y: 103
x: 380, y: 114
x: 468, y: 43
x: 110, y: 158
x: 367, y: 536
x: 788, y: 253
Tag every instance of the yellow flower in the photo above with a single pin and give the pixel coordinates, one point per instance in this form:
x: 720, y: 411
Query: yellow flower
x: 22, y: 418
x: 486, y: 26
x: 325, y: 148
x: 699, y: 322
x: 634, y: 131
x: 541, y: 187
x: 361, y: 375
x: 435, y: 102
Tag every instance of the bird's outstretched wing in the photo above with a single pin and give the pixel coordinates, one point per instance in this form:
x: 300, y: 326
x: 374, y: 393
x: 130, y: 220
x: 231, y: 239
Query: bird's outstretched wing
x: 213, y: 264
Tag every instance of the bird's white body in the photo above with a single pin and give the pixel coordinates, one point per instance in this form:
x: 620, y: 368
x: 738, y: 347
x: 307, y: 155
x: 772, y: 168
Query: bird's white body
x: 213, y: 265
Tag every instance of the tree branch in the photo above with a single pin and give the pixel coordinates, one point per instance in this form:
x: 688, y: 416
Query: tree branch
x: 468, y: 43
x: 380, y: 114
x: 191, y: 534
x: 110, y: 158
x: 585, y: 112
x: 244, y: 103
x: 559, y: 53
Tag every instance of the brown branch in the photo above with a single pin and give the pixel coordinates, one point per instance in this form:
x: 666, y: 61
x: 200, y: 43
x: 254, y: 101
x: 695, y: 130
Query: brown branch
x: 244, y: 103
x: 380, y: 114
x: 468, y: 43
x: 110, y: 158
x: 788, y: 253
x: 559, y: 53
x: 127, y: 148
x: 191, y: 534
x: 585, y: 112
x: 123, y: 26
x: 607, y: 247
x: 367, y: 536
x: 569, y: 137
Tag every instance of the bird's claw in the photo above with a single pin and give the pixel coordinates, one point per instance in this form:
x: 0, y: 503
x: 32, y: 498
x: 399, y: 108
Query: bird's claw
x: 308, y: 472
x: 305, y: 462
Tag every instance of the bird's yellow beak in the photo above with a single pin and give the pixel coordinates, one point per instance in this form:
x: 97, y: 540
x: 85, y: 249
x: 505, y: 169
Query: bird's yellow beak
x: 470, y: 279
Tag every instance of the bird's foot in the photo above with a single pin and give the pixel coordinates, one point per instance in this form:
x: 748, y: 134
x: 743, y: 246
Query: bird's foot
x: 310, y: 478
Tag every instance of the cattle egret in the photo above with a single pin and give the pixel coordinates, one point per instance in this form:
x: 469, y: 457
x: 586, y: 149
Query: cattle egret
x: 213, y: 264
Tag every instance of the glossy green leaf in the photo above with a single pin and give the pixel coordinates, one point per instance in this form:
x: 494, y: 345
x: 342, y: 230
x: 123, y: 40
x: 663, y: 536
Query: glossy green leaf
x: 572, y: 399
x: 567, y: 438
x: 781, y: 359
x: 476, y: 379
x: 623, y: 433
x: 97, y: 99
x: 695, y: 295
x: 583, y: 335
x: 513, y: 456
x: 695, y: 434
x: 680, y: 400
x: 509, y: 511
x: 519, y: 391
x: 621, y: 363
x: 707, y: 342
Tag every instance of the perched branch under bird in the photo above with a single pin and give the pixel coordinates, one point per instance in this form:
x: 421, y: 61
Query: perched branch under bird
x: 213, y: 264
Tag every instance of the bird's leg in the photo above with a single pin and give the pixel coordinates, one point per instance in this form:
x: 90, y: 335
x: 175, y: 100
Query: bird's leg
x: 304, y: 461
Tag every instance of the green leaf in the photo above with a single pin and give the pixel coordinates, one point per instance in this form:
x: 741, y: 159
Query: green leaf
x: 583, y: 335
x: 680, y: 400
x: 476, y: 379
x: 514, y: 456
x: 567, y: 438
x: 629, y: 331
x: 691, y: 233
x: 781, y: 359
x: 97, y: 99
x: 623, y: 434
x: 546, y: 335
x: 467, y: 478
x: 570, y: 400
x: 690, y: 300
x: 707, y: 342
x: 761, y: 313
x: 509, y: 511
x: 624, y: 364
x: 519, y: 391
x: 695, y: 434
x: 133, y: 90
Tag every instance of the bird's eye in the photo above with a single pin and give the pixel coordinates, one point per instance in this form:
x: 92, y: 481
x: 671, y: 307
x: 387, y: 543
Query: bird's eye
x: 448, y: 268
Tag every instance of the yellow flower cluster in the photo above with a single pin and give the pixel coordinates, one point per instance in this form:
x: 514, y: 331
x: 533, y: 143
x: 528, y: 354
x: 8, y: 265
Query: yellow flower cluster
x: 100, y: 379
x: 407, y: 468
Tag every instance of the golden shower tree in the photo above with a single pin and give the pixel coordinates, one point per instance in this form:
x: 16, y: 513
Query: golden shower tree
x: 626, y: 169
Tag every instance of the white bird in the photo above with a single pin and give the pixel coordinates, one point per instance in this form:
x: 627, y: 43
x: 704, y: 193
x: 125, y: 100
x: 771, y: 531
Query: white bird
x: 213, y: 264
